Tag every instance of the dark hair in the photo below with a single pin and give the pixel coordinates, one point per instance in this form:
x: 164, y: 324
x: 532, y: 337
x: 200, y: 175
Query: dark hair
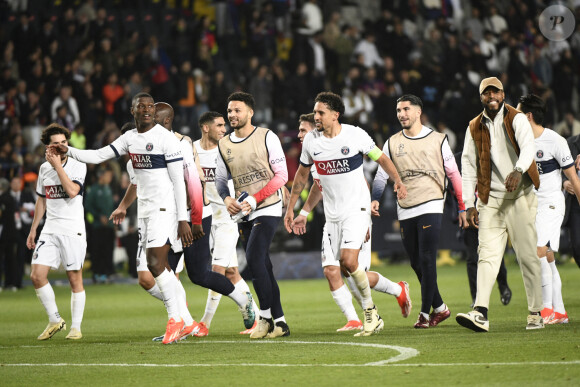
x: 307, y: 117
x: 531, y: 103
x: 127, y: 126
x: 51, y: 130
x: 246, y: 98
x: 208, y: 117
x: 333, y: 101
x: 411, y: 98
x: 138, y: 96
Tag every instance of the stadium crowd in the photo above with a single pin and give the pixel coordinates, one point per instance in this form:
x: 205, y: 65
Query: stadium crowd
x: 80, y: 64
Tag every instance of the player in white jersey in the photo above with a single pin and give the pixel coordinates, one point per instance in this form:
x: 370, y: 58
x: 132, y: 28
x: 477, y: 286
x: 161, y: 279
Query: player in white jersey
x: 552, y: 157
x: 331, y: 266
x: 63, y: 238
x: 224, y: 232
x: 158, y: 164
x: 337, y: 151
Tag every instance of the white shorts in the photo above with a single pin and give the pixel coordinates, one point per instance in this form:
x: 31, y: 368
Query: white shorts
x: 56, y: 249
x: 142, y: 261
x: 158, y: 229
x: 548, y: 223
x: 347, y: 234
x: 222, y: 241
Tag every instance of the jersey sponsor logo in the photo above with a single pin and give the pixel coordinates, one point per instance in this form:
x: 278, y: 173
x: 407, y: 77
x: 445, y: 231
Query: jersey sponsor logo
x: 140, y: 161
x: 564, y: 159
x: 344, y: 150
x: 547, y: 166
x: 316, y: 153
x: 251, y: 177
x: 336, y: 167
x: 276, y: 161
x: 149, y: 147
x: 209, y: 174
x: 55, y: 192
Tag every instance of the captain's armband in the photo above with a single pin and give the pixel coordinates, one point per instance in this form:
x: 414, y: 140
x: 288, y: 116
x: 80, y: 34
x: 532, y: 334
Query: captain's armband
x: 375, y: 153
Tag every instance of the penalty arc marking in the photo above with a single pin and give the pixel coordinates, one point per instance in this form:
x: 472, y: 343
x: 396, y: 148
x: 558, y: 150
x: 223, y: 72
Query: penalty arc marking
x: 404, y: 353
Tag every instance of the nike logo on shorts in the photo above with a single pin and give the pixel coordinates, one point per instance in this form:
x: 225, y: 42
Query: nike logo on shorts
x: 424, y: 227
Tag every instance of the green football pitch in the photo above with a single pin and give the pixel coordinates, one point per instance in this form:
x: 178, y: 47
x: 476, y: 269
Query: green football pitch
x: 121, y: 319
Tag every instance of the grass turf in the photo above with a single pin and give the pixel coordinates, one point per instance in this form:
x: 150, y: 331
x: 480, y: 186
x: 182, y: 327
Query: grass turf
x: 121, y: 319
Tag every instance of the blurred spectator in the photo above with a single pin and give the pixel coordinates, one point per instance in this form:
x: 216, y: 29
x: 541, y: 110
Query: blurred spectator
x: 112, y: 92
x: 185, y: 93
x: 367, y: 48
x: 569, y: 126
x: 65, y: 98
x: 99, y: 205
x: 7, y: 232
x: 261, y: 88
x: 311, y: 18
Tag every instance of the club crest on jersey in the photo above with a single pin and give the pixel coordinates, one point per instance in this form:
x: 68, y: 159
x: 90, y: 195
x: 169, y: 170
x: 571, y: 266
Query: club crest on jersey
x: 344, y: 150
x: 540, y: 154
x: 149, y: 147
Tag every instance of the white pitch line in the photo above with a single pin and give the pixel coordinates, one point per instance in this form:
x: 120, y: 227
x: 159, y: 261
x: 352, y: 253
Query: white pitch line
x: 145, y: 365
x: 404, y: 354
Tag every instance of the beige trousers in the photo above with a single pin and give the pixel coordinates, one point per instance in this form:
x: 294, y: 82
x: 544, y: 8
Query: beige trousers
x: 497, y: 219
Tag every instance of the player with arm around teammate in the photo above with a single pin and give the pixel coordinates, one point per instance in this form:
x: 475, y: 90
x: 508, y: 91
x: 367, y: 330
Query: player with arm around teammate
x: 162, y: 208
x: 63, y: 238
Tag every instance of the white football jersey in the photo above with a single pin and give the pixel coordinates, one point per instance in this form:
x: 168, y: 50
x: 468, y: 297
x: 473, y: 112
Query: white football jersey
x: 208, y: 163
x: 64, y: 215
x: 150, y: 152
x: 338, y: 162
x: 552, y: 155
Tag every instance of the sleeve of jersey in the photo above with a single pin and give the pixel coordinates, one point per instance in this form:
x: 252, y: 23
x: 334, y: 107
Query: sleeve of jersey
x: 175, y: 171
x: 193, y: 185
x: 469, y: 170
x: 452, y: 172
x: 305, y: 158
x: 278, y: 165
x: 563, y: 153
x: 92, y: 156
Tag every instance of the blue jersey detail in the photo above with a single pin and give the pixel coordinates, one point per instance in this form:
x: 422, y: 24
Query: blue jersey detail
x: 547, y: 166
x: 339, y: 166
x: 154, y: 161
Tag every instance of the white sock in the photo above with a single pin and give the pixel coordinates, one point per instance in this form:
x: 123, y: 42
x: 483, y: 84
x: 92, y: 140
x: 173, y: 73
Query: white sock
x: 167, y: 285
x: 77, y: 308
x: 425, y: 315
x: 213, y: 300
x: 46, y: 296
x: 280, y: 319
x: 155, y: 292
x: 546, y: 283
x: 440, y: 309
x: 182, y: 303
x: 354, y: 290
x: 239, y: 297
x: 266, y: 313
x: 385, y: 285
x: 557, y: 300
x: 343, y: 299
x: 243, y: 287
x: 362, y: 283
